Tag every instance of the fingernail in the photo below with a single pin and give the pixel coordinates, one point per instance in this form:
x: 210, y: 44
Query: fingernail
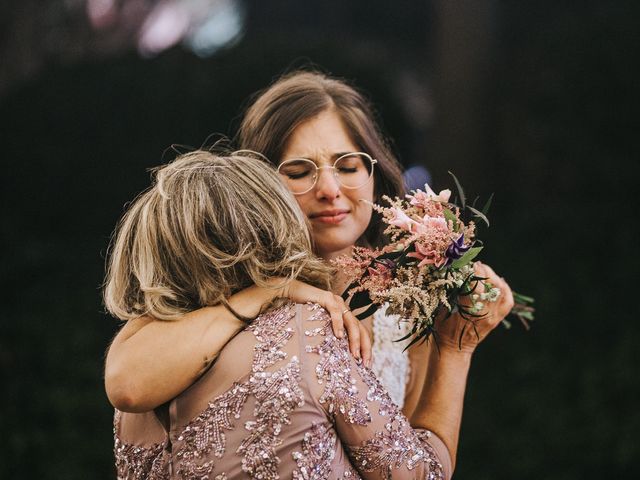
x: 340, y: 333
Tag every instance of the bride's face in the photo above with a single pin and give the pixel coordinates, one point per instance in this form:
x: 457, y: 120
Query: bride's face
x: 337, y: 215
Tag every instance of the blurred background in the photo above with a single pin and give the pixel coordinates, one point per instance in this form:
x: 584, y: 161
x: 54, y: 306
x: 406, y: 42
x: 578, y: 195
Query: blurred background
x: 535, y: 101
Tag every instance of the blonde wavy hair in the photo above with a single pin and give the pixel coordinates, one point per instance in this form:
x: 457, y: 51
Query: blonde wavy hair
x: 210, y: 225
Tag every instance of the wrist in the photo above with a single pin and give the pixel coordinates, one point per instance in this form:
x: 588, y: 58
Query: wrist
x: 249, y: 302
x: 445, y: 352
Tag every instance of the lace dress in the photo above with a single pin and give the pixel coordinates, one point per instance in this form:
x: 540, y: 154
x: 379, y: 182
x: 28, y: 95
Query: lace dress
x: 284, y: 400
x: 390, y: 360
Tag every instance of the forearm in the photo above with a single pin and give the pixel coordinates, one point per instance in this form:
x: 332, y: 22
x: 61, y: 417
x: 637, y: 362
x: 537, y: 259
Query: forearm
x: 418, y: 363
x: 440, y: 406
x: 153, y: 361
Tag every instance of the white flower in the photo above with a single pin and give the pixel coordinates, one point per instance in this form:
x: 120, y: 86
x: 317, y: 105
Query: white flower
x: 443, y: 196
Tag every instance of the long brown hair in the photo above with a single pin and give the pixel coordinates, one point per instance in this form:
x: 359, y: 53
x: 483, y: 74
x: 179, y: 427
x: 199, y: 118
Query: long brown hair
x: 301, y: 95
x: 209, y: 225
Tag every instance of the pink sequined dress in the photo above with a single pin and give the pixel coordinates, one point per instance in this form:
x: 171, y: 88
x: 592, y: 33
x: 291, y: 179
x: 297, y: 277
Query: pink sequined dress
x: 285, y: 399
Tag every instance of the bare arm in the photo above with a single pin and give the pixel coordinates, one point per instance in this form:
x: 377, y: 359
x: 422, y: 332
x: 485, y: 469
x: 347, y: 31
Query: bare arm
x: 418, y: 361
x: 440, y: 406
x: 151, y: 361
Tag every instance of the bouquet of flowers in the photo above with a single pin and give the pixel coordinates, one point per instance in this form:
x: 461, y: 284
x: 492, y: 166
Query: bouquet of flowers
x: 428, y: 265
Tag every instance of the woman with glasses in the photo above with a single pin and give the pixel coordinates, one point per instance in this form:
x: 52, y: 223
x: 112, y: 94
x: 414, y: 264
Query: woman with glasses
x: 321, y: 135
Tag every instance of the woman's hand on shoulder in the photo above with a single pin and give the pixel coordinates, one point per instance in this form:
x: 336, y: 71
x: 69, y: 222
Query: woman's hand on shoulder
x: 342, y: 319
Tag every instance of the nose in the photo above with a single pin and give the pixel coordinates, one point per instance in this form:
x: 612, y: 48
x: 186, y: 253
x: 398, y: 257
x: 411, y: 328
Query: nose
x: 327, y: 186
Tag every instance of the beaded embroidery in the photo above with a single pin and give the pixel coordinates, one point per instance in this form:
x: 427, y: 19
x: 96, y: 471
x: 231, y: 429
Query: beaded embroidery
x: 137, y: 463
x: 206, y: 432
x: 399, y: 445
x: 334, y: 371
x: 394, y: 448
x: 318, y: 450
x: 276, y: 395
x: 350, y: 473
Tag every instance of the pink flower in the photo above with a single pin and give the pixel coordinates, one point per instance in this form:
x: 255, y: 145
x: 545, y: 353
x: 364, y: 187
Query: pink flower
x: 443, y: 196
x: 422, y: 199
x: 418, y: 228
x: 382, y: 272
x: 437, y: 223
x: 427, y: 256
x: 401, y: 220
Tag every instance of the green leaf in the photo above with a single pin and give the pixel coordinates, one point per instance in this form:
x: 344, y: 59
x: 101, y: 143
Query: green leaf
x: 405, y: 259
x: 467, y: 257
x: 527, y: 315
x: 359, y: 300
x: 411, y: 333
x: 346, y: 294
x: 389, y: 255
x: 479, y: 214
x: 369, y: 311
x: 520, y: 298
x: 463, y: 199
x: 424, y: 336
x: 449, y: 215
x: 485, y: 209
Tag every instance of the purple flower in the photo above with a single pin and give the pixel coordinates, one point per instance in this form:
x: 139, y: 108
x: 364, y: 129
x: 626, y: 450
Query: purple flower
x: 388, y: 263
x: 456, y: 250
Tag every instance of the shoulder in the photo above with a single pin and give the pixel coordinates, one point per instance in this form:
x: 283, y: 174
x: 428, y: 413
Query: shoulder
x: 310, y: 319
x: 274, y: 318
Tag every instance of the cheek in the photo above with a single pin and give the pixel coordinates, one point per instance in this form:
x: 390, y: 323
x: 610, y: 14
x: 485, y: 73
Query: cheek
x: 365, y: 193
x: 363, y: 208
x: 370, y: 193
x: 304, y: 203
x: 367, y: 214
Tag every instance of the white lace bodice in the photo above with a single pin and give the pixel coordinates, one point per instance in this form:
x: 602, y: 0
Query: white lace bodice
x: 390, y: 361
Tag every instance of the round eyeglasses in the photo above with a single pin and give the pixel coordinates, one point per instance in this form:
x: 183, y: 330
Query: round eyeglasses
x: 351, y: 170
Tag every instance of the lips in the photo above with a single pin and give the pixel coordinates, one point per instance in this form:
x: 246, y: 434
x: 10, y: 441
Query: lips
x: 329, y: 216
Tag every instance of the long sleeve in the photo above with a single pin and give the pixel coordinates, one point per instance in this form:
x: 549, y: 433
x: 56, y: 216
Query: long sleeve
x: 377, y: 437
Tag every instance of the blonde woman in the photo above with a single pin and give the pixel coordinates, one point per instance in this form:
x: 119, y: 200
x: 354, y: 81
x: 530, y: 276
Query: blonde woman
x: 285, y: 399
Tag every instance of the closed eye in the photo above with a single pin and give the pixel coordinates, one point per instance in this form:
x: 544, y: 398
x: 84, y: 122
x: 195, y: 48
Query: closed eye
x: 297, y: 175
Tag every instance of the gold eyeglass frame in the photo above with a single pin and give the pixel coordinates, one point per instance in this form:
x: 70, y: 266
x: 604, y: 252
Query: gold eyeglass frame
x: 333, y: 167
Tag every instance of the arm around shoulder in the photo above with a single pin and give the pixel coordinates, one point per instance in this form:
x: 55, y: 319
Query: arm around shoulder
x: 151, y: 361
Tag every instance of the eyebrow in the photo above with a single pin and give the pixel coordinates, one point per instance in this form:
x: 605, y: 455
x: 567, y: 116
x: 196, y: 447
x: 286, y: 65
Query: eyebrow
x: 334, y: 156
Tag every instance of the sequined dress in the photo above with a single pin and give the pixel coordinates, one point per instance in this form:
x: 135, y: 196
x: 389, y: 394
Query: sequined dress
x: 285, y: 399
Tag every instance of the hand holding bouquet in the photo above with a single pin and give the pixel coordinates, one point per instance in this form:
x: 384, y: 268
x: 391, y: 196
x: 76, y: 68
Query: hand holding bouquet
x: 427, y: 268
